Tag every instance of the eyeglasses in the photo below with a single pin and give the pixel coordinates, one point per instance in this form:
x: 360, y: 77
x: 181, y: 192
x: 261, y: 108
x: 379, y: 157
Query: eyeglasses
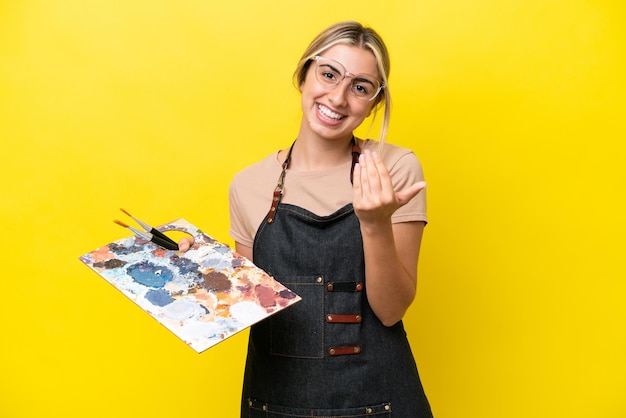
x: 331, y: 73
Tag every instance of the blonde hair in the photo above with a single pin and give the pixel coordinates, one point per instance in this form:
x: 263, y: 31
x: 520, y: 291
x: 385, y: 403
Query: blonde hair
x: 353, y: 34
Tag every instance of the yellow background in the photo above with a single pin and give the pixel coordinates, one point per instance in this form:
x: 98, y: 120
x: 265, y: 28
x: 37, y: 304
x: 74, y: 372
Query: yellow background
x: 516, y: 109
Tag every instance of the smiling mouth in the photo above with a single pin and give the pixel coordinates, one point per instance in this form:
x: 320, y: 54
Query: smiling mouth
x: 329, y: 113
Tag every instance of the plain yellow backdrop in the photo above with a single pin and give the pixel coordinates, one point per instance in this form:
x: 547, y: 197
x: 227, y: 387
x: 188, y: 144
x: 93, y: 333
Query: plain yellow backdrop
x: 516, y: 109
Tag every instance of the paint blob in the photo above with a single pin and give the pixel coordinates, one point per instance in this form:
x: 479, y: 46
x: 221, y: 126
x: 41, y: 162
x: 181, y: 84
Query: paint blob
x: 216, y: 281
x: 149, y: 274
x: 159, y: 297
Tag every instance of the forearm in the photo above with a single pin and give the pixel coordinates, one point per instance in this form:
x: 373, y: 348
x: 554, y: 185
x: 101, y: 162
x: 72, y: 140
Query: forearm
x: 391, y: 274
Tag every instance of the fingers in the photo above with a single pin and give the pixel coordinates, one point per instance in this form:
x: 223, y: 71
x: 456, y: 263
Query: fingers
x: 185, y: 244
x: 410, y: 192
x: 373, y: 186
x: 373, y: 177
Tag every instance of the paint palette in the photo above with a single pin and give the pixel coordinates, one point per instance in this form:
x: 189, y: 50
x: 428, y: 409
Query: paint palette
x: 203, y: 296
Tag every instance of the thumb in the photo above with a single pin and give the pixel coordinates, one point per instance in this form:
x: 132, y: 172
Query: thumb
x: 410, y: 192
x: 185, y: 244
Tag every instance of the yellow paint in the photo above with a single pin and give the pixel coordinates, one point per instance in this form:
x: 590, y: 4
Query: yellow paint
x: 516, y: 109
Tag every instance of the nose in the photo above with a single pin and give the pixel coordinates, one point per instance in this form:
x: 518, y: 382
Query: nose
x: 338, y: 95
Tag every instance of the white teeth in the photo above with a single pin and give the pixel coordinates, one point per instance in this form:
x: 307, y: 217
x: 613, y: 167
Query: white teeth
x: 329, y: 113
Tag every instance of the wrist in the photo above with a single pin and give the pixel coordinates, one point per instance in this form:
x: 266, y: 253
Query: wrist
x: 376, y: 227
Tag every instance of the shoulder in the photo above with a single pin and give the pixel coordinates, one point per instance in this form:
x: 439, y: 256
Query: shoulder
x: 397, y: 159
x: 258, y: 173
x: 253, y: 186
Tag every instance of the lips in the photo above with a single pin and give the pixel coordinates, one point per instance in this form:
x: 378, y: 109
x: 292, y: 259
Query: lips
x: 329, y: 114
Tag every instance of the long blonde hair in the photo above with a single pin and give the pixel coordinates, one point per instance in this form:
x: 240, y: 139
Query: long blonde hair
x: 353, y: 34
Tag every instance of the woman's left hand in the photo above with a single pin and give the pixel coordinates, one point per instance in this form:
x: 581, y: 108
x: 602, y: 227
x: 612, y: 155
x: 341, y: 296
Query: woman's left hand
x: 374, y: 198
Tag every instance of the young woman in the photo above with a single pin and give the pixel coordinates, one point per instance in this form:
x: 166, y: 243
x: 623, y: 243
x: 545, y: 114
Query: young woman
x: 339, y: 221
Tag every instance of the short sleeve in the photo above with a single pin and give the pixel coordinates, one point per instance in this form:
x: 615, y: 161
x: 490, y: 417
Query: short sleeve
x: 406, y: 170
x: 238, y: 229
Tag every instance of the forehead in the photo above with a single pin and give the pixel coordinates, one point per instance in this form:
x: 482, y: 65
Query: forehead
x: 356, y: 60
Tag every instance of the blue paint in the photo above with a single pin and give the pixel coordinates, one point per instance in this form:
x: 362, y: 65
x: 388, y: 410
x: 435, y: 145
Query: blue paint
x: 222, y: 249
x: 150, y: 274
x: 120, y: 249
x: 184, y: 264
x: 159, y: 297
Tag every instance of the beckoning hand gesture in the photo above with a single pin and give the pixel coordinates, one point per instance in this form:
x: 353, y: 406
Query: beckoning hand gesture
x: 374, y: 198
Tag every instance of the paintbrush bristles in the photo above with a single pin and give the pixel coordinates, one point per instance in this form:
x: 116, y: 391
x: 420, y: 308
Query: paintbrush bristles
x: 120, y: 223
x: 126, y: 212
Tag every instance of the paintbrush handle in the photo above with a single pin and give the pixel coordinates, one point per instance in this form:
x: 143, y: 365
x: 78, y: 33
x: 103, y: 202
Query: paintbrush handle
x: 167, y: 244
x: 155, y: 232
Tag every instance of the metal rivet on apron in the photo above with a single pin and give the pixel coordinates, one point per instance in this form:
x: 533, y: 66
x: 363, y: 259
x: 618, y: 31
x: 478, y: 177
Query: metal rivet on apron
x: 387, y: 407
x: 331, y: 351
x: 249, y: 402
x: 265, y: 407
x: 359, y: 287
x: 329, y: 318
x: 320, y: 280
x: 329, y: 286
x: 368, y: 410
x: 357, y: 349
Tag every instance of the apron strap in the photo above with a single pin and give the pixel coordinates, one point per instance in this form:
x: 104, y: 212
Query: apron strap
x: 280, y: 185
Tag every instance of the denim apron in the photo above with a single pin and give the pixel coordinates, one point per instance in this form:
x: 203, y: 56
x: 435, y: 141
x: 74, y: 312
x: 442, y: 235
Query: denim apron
x: 328, y: 355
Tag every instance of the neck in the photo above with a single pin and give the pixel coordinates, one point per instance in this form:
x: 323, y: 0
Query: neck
x: 315, y: 155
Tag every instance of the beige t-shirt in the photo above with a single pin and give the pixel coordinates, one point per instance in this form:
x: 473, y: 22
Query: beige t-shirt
x: 319, y: 191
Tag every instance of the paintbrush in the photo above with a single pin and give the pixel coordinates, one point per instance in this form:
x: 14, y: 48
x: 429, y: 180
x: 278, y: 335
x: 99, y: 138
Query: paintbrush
x: 151, y: 229
x: 167, y: 244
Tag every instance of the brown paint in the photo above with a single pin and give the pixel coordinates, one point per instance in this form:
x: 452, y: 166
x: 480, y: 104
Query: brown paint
x: 216, y: 281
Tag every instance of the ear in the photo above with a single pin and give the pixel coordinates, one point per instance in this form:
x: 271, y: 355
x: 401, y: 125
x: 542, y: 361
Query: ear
x: 306, y: 76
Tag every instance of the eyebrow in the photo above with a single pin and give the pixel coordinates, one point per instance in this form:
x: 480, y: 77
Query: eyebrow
x: 335, y: 69
x: 361, y: 79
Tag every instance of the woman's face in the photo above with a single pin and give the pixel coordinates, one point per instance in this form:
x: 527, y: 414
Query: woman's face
x: 333, y: 112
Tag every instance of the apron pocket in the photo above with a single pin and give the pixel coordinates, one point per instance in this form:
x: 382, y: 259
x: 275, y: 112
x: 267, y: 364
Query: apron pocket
x: 299, y: 330
x: 258, y: 409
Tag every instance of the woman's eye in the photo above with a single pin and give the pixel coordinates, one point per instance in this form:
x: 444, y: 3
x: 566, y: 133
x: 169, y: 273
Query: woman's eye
x: 361, y: 89
x: 331, y: 76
